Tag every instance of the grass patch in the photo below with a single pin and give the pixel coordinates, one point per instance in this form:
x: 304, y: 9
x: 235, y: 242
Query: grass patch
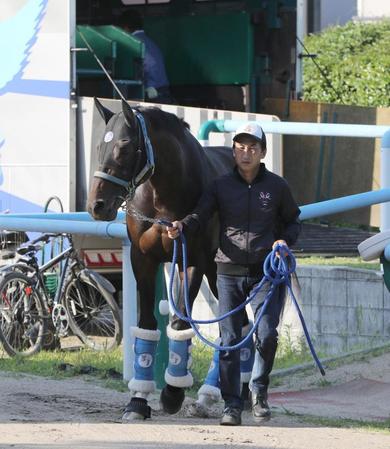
x: 202, y: 356
x: 105, y: 366
x: 351, y: 262
x: 291, y: 353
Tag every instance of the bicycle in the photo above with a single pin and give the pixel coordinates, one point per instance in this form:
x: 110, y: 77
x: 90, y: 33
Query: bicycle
x: 35, y: 301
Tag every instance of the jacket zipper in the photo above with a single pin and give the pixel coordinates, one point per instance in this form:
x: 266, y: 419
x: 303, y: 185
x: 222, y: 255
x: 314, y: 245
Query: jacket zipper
x: 248, y: 224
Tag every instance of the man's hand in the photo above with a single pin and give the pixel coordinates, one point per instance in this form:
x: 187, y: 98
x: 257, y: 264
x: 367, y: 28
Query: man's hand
x: 280, y: 243
x: 175, y: 230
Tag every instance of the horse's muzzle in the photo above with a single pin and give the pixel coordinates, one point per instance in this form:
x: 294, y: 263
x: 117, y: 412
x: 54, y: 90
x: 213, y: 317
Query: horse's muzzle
x: 99, y: 210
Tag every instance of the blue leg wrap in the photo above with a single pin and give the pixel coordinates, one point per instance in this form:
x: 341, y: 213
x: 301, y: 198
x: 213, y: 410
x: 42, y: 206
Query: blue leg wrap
x: 145, y: 345
x: 247, y: 356
x: 144, y: 351
x: 177, y: 373
x: 212, y: 377
x: 210, y: 390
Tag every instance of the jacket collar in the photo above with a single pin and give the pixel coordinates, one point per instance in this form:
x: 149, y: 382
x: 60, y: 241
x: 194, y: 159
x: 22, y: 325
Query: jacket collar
x: 258, y: 178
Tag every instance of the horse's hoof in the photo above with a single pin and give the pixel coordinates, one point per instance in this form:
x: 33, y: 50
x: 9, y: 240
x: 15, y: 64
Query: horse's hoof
x: 137, y: 408
x: 171, y: 399
x: 132, y: 416
x: 197, y: 410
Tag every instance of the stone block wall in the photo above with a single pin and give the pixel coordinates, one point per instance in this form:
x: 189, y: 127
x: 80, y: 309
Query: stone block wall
x: 344, y: 308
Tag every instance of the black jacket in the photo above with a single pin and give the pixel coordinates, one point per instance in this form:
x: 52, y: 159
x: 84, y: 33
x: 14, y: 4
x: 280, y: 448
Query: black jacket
x: 252, y: 217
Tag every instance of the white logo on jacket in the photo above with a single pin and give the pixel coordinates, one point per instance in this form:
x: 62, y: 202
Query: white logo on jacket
x: 265, y: 199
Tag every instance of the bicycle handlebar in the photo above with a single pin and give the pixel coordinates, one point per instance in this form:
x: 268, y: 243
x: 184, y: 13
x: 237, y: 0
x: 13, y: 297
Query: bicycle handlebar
x: 44, y: 238
x: 32, y: 246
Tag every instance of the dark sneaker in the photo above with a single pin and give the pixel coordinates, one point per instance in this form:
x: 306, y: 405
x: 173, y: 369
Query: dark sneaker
x: 260, y: 408
x: 231, y: 417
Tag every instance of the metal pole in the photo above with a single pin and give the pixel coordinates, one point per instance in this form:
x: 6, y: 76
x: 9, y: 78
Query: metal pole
x: 385, y: 179
x: 129, y: 290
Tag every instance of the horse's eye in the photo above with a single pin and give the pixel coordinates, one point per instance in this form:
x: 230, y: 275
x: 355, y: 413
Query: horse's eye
x: 123, y: 143
x: 120, y: 150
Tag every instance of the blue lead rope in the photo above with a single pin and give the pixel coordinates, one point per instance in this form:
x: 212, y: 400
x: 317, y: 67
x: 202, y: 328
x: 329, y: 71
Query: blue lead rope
x: 278, y: 266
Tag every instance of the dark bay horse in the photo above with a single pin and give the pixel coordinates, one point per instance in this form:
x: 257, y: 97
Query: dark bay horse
x: 163, y: 178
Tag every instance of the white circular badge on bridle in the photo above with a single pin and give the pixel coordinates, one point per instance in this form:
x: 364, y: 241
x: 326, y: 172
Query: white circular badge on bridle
x: 109, y: 136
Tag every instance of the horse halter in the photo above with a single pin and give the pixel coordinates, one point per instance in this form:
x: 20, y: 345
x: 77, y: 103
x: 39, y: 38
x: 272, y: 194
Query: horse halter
x: 144, y: 174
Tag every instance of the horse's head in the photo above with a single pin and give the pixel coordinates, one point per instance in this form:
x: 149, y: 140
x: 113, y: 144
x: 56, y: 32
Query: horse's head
x: 125, y: 161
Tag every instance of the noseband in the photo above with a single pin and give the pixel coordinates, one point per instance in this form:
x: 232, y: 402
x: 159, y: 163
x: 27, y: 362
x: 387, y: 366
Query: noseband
x: 145, y: 173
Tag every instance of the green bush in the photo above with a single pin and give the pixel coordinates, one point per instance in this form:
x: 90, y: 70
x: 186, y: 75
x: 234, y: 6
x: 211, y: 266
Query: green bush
x: 356, y: 60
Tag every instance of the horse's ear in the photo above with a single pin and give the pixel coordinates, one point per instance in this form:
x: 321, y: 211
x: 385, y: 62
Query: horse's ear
x: 128, y: 113
x: 105, y: 113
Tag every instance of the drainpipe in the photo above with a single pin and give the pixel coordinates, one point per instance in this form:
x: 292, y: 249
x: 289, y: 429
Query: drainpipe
x: 301, y: 33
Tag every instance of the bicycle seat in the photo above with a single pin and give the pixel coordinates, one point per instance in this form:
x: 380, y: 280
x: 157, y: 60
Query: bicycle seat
x: 27, y: 249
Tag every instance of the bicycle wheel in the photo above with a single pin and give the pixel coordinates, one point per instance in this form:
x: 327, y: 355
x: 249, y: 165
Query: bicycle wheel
x: 23, y: 321
x: 94, y: 316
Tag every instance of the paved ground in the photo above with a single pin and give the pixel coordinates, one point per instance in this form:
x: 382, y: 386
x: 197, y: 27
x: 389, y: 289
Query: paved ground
x: 358, y: 389
x: 38, y: 413
x: 360, y: 399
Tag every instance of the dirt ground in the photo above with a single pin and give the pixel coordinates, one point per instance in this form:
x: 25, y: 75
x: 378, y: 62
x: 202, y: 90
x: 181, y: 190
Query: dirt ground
x: 77, y: 413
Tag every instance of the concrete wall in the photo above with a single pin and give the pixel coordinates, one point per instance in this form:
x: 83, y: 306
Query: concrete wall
x: 319, y: 168
x: 344, y: 309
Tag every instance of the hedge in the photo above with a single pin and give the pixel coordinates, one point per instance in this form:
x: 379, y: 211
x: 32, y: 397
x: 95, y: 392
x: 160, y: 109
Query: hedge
x: 356, y: 61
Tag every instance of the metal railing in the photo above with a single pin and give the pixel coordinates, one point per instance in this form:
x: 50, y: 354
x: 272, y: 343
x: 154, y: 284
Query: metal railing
x: 318, y: 129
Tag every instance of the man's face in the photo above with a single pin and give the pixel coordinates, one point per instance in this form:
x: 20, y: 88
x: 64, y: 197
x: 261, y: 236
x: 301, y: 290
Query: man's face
x: 248, y: 153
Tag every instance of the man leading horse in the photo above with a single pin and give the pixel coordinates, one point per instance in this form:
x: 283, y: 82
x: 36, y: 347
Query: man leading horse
x: 256, y: 213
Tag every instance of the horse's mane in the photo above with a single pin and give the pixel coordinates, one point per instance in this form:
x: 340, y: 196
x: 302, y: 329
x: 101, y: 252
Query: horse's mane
x: 162, y: 120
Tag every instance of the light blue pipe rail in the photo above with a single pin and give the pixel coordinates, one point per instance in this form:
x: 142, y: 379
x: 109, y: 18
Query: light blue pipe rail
x: 343, y: 204
x: 295, y: 128
x: 44, y: 224
x: 73, y: 216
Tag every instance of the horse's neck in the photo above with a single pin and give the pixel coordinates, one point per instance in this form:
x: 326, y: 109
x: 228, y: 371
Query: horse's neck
x: 175, y: 182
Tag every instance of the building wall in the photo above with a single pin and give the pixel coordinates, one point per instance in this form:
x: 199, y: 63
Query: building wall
x: 328, y: 13
x: 371, y: 9
x: 334, y: 12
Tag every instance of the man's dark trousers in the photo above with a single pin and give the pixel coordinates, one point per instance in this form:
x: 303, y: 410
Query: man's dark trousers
x: 232, y: 291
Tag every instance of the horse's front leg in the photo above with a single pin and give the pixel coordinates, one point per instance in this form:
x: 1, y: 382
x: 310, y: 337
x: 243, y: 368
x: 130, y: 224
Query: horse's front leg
x: 146, y: 337
x: 177, y: 374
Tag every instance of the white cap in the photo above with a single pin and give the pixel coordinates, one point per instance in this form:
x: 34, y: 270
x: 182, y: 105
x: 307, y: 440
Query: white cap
x: 251, y: 129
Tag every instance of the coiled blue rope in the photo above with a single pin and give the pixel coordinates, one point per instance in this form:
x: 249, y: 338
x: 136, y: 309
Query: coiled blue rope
x: 278, y: 267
